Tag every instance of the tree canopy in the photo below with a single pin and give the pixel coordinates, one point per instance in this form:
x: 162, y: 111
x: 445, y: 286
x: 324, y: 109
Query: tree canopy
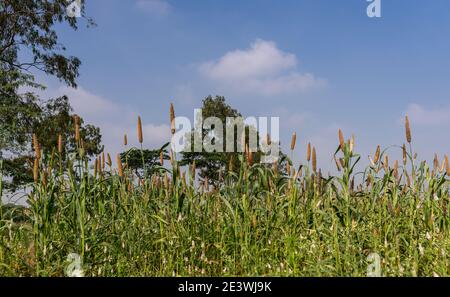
x: 214, y: 165
x: 144, y: 162
x: 29, y: 44
x: 52, y: 120
x: 29, y: 26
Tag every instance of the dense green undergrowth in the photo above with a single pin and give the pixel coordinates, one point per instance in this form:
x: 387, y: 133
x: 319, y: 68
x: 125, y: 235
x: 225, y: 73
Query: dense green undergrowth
x: 259, y: 222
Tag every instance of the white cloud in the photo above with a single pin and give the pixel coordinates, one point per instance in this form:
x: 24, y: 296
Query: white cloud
x: 88, y: 105
x: 262, y: 69
x: 155, y: 7
x: 262, y: 59
x: 419, y: 115
x: 113, y: 119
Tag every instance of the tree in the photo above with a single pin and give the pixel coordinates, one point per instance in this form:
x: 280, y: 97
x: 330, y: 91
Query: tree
x: 18, y: 113
x: 29, y: 25
x: 54, y: 118
x: 29, y: 42
x: 144, y: 162
x: 57, y: 119
x: 216, y: 164
x: 211, y: 164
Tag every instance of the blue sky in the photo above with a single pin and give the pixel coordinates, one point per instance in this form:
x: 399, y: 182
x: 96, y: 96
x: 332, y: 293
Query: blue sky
x: 320, y: 65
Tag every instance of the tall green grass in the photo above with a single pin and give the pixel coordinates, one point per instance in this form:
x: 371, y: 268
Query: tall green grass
x: 260, y: 222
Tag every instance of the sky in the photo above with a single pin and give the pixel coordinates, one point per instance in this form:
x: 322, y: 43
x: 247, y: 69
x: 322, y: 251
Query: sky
x: 320, y: 65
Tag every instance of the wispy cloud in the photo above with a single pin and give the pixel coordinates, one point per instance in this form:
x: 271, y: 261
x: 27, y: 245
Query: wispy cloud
x: 114, y: 120
x: 420, y: 115
x: 154, y: 7
x: 262, y: 69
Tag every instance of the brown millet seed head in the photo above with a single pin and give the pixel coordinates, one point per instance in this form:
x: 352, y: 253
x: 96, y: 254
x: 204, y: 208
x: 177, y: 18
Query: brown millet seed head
x: 408, y: 130
x: 161, y: 158
x: 60, y: 144
x: 99, y: 165
x: 36, y: 146
x: 44, y: 178
x: 293, y: 141
x: 247, y: 154
x: 386, y: 162
x: 36, y: 170
x: 193, y: 169
x: 95, y: 166
x: 314, y: 159
x: 171, y: 156
x: 183, y: 179
x: 77, y: 132
x: 119, y: 166
x: 396, y: 168
x: 341, y: 140
x: 172, y: 118
x: 76, y: 120
x: 125, y: 140
x: 308, y: 152
x: 172, y: 112
x: 377, y: 155
x: 250, y: 158
x: 435, y: 162
x: 140, y: 136
x: 172, y: 127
